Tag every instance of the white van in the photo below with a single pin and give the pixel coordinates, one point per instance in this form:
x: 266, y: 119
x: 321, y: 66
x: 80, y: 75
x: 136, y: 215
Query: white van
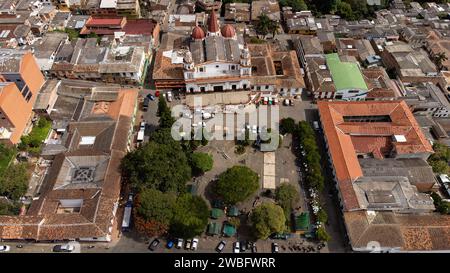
x: 316, y: 125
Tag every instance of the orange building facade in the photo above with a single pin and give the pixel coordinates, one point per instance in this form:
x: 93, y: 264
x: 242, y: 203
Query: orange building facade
x: 20, y: 82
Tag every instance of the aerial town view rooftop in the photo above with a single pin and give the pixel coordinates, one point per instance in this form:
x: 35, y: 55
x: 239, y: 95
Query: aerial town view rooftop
x: 234, y: 126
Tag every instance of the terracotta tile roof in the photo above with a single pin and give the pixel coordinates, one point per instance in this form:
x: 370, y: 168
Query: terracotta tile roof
x: 346, y: 139
x: 44, y: 219
x: 405, y: 232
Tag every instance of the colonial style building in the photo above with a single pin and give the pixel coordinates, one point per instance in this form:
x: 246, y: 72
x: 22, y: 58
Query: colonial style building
x: 217, y: 60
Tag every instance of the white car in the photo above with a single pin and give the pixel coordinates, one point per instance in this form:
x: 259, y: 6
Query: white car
x: 180, y: 243
x: 194, y: 244
x: 287, y: 102
x: 254, y: 129
x: 142, y: 126
x: 236, y: 247
x: 169, y: 96
x: 4, y: 248
x: 64, y: 248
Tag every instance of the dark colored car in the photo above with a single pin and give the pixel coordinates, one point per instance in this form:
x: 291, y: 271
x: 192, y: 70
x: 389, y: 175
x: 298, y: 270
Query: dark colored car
x: 145, y: 104
x: 275, y: 248
x: 254, y: 249
x: 153, y: 245
x: 221, y: 246
x: 243, y: 246
x: 170, y: 244
x: 150, y: 97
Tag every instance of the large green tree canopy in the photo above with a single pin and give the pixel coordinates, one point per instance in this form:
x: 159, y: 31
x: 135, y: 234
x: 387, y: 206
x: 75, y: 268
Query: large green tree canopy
x: 267, y: 219
x: 158, y: 166
x: 201, y: 162
x: 190, y: 216
x: 14, y: 181
x: 237, y: 184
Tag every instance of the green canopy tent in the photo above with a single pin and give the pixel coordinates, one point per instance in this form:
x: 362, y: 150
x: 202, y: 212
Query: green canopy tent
x: 233, y: 211
x: 216, y: 213
x: 213, y: 228
x: 302, y: 223
x: 229, y: 230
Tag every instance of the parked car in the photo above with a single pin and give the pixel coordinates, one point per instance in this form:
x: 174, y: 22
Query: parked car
x: 286, y: 102
x: 316, y: 125
x: 243, y: 246
x: 4, y: 248
x: 63, y: 248
x: 291, y: 102
x: 145, y: 104
x: 275, y: 248
x: 169, y: 96
x: 150, y: 97
x: 170, y: 244
x: 221, y: 246
x: 254, y: 129
x: 236, y: 247
x: 254, y: 249
x: 180, y: 243
x: 194, y: 244
x: 188, y: 244
x: 153, y: 245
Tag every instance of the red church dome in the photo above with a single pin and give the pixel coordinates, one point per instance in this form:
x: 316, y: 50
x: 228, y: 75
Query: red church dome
x: 198, y: 33
x: 213, y: 25
x: 228, y: 31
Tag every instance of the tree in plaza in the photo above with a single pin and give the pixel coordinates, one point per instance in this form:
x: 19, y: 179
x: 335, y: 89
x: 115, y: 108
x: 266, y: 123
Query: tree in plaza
x: 237, y: 184
x: 159, y: 166
x: 154, y: 211
x: 322, y: 234
x: 322, y: 216
x: 287, y: 196
x: 287, y: 126
x: 14, y: 181
x: 315, y: 180
x: 201, y: 162
x: 267, y: 219
x: 165, y: 115
x: 190, y: 216
x: 162, y: 106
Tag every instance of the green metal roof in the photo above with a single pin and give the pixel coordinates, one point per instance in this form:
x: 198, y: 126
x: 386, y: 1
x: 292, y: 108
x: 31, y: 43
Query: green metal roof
x: 216, y: 213
x: 214, y: 228
x: 302, y: 221
x: 233, y: 211
x: 229, y: 230
x: 346, y: 75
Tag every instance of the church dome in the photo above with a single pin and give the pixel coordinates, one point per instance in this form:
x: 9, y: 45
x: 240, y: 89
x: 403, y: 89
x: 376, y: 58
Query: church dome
x: 228, y: 31
x: 198, y: 33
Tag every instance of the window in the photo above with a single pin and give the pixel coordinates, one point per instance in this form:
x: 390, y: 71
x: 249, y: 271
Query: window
x: 244, y: 86
x: 28, y: 98
x: 353, y: 91
x: 258, y: 88
x: 233, y: 67
x: 267, y: 87
x: 202, y: 89
x: 201, y: 69
x: 233, y: 86
x: 191, y: 89
x: 217, y: 66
